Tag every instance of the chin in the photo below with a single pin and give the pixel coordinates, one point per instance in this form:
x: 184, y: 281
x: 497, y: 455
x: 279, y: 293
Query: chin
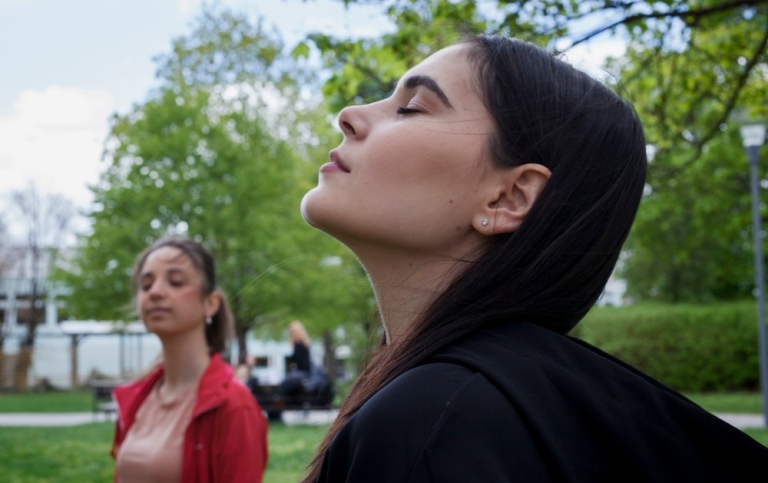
x: 311, y: 209
x: 325, y: 214
x: 305, y: 212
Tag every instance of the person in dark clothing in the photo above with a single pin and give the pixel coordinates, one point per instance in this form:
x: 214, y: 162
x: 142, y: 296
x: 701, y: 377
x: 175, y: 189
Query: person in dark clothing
x: 300, y: 340
x: 299, y: 363
x: 488, y: 200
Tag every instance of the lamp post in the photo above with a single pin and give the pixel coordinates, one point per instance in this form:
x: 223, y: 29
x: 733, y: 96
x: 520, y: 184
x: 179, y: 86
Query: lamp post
x: 753, y: 137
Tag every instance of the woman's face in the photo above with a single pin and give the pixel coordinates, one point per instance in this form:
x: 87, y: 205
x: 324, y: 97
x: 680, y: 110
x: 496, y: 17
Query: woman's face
x: 409, y: 170
x: 170, y: 298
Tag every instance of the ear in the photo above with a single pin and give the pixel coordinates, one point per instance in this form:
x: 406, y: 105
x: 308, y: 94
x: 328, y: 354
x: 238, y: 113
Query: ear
x: 511, y: 201
x: 212, y: 303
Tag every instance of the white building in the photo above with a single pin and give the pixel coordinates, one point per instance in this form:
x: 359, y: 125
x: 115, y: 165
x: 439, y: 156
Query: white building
x: 613, y: 294
x: 106, y: 350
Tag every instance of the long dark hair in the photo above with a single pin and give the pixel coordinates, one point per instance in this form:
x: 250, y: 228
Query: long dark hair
x: 554, y: 267
x: 219, y: 332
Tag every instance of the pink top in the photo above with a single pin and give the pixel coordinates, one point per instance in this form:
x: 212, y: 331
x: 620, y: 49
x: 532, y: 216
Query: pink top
x: 152, y: 450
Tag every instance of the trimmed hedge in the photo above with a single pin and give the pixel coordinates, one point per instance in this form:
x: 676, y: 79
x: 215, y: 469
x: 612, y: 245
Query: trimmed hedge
x: 691, y: 348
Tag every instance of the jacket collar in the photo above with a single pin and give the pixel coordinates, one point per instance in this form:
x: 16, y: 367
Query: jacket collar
x: 211, y: 391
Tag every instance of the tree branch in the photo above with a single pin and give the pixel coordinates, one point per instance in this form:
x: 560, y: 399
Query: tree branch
x: 696, y: 13
x: 731, y: 102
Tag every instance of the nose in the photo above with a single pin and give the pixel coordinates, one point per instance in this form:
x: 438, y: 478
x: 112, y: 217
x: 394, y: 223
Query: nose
x: 352, y: 122
x: 155, y: 290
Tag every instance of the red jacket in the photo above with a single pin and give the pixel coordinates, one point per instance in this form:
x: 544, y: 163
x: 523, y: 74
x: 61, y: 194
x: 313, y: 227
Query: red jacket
x: 226, y: 440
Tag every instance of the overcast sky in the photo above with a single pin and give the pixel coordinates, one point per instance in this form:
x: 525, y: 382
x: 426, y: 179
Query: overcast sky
x: 67, y: 65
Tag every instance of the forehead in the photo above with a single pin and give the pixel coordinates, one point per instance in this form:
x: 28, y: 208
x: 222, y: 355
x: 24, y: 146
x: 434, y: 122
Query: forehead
x: 166, y: 258
x: 451, y: 69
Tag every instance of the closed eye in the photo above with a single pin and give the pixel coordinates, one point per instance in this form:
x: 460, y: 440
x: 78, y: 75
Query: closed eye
x: 407, y: 110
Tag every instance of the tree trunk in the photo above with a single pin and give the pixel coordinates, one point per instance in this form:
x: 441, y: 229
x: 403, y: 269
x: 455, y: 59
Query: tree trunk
x: 26, y: 349
x: 3, y: 384
x: 21, y: 368
x: 73, y: 362
x: 241, y: 334
x: 5, y: 363
x: 329, y: 355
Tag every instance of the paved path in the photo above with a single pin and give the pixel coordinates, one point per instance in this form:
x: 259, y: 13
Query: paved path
x: 310, y: 417
x: 49, y: 419
x: 313, y: 417
x: 743, y: 420
x: 290, y: 418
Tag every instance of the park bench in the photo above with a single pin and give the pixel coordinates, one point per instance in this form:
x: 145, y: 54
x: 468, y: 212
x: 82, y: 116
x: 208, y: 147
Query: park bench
x: 273, y: 402
x: 102, y: 401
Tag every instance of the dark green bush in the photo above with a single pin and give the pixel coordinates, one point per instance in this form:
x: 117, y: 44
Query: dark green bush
x: 691, y: 348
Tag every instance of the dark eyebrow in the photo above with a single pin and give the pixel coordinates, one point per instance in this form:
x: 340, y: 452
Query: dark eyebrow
x: 429, y: 83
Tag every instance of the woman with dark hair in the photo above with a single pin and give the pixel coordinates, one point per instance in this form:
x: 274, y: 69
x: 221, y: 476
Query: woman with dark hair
x: 189, y: 419
x: 488, y: 199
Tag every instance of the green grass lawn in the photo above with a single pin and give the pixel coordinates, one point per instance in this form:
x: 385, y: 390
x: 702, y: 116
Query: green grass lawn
x: 77, y: 454
x: 738, y: 402
x: 80, y: 401
x: 58, y: 454
x: 46, y: 402
x: 290, y: 449
x: 81, y: 453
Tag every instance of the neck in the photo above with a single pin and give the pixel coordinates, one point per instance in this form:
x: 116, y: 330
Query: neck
x: 404, y: 288
x: 185, y: 358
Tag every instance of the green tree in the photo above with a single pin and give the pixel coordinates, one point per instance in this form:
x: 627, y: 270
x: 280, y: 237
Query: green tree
x: 692, y: 236
x: 365, y: 70
x: 692, y: 240
x: 723, y: 40
x: 213, y: 154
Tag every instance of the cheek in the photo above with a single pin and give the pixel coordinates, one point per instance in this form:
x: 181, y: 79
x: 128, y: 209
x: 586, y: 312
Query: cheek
x: 194, y: 300
x: 429, y: 166
x: 433, y: 146
x: 401, y: 158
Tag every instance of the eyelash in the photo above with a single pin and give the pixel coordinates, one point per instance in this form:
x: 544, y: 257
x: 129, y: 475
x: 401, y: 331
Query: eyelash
x: 407, y: 110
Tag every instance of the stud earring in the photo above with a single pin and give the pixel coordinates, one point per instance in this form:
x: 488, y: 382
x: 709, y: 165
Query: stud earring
x: 484, y: 222
x: 208, y: 320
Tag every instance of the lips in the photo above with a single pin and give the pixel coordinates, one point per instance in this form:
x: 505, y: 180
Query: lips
x: 335, y: 159
x: 154, y: 311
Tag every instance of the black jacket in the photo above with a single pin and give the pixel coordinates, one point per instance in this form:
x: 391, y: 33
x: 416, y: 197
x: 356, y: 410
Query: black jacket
x: 518, y: 403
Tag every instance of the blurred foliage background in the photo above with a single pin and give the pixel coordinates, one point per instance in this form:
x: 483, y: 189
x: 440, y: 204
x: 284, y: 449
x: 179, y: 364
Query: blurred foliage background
x: 225, y: 145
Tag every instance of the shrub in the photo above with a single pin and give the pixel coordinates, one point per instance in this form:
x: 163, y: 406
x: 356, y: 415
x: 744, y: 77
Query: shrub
x: 691, y: 348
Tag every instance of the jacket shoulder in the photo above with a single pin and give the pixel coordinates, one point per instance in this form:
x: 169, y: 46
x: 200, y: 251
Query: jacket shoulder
x: 426, y: 425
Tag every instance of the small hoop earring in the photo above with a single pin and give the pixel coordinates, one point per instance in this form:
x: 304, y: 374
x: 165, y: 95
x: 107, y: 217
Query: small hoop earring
x: 208, y: 320
x: 484, y: 222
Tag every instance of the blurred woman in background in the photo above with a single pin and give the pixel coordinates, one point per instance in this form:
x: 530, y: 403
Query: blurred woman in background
x: 189, y: 419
